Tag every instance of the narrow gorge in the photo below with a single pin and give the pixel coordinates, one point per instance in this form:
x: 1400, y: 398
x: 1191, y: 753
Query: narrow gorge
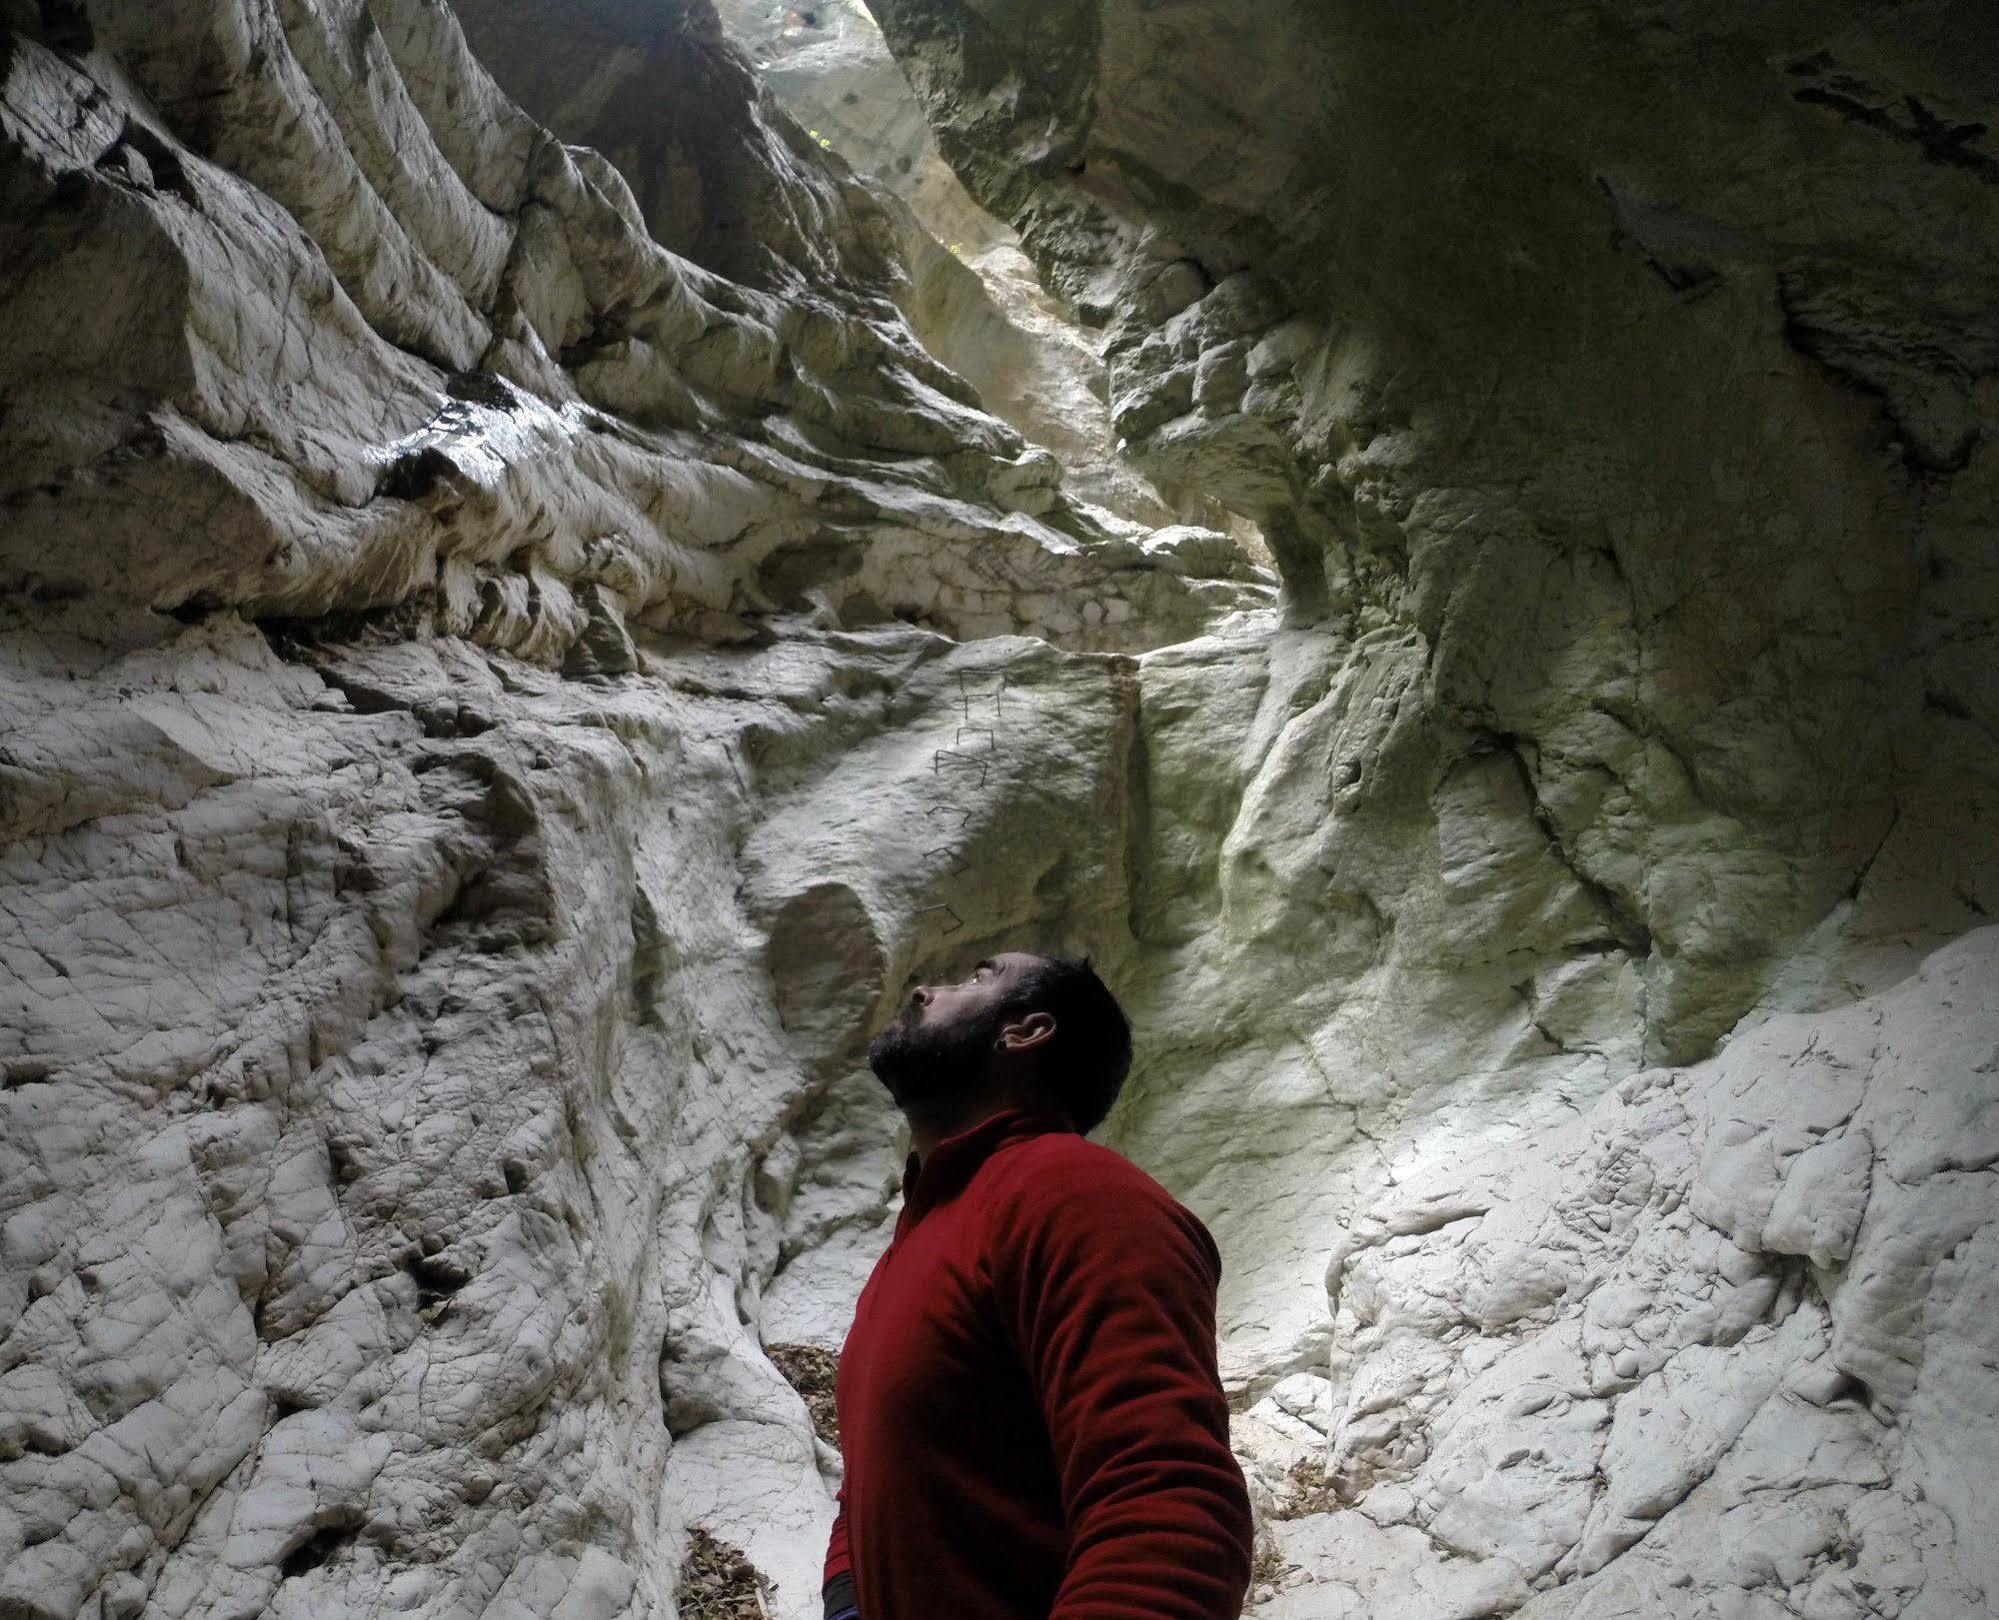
x: 553, y: 559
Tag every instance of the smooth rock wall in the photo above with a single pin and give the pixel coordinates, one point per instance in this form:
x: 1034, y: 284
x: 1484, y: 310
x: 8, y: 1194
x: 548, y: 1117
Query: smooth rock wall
x: 1614, y: 389
x: 474, y: 683
x: 1637, y: 367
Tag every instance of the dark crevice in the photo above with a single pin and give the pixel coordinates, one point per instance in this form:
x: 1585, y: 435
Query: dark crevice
x: 1689, y: 280
x: 1135, y: 835
x: 317, y: 1549
x: 344, y: 1159
x: 651, y: 948
x: 199, y: 606
x: 66, y: 26
x: 1938, y: 140
x: 1627, y: 926
x: 168, y: 173
x: 1817, y: 330
x: 1867, y: 866
x: 437, y: 1279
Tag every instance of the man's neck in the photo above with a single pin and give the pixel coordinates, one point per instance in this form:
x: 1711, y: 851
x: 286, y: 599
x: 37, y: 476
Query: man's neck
x: 936, y: 1122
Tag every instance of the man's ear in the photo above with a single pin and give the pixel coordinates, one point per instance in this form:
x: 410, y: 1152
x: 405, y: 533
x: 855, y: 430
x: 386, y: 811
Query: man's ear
x: 1036, y: 1029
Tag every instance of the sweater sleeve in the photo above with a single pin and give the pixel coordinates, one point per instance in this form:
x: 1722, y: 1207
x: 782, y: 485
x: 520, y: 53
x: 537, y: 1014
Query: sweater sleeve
x: 839, y: 1561
x: 1110, y: 1286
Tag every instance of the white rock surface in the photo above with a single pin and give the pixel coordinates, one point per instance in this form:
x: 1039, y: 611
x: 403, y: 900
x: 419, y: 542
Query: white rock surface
x: 434, y: 611
x: 1603, y: 382
x: 1714, y: 1347
x: 972, y: 294
x: 510, y: 661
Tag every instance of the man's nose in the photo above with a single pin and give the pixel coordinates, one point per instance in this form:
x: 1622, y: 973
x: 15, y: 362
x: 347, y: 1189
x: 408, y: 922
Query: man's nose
x: 921, y: 995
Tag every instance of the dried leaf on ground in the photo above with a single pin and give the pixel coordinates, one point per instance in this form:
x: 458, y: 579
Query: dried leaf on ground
x: 811, y: 1370
x: 718, y: 1583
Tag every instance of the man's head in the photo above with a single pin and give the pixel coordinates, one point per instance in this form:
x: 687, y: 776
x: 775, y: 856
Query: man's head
x: 1021, y: 1025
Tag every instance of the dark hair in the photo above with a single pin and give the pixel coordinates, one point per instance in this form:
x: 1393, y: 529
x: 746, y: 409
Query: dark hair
x: 1090, y: 1053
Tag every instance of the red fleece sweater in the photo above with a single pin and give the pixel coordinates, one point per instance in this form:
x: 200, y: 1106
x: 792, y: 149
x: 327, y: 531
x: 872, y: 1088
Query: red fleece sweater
x: 1030, y: 1413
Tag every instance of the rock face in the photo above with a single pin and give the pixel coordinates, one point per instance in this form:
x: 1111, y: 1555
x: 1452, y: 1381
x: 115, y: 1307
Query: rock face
x: 831, y: 69
x: 1660, y: 401
x: 621, y: 79
x: 1615, y: 390
x: 475, y: 678
x: 1717, y: 1346
x: 513, y: 655
x: 972, y: 294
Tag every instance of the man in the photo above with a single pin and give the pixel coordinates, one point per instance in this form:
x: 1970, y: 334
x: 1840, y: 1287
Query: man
x: 1030, y: 1414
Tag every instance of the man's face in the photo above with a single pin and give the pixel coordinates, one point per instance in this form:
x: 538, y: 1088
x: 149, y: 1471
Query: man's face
x: 943, y: 1040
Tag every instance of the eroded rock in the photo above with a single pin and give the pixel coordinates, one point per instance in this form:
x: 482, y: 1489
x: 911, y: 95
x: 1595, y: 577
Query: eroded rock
x: 514, y: 656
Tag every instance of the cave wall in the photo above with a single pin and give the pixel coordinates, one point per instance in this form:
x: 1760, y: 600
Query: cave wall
x: 626, y: 80
x: 1614, y: 387
x: 477, y: 681
x: 1612, y: 353
x: 513, y: 658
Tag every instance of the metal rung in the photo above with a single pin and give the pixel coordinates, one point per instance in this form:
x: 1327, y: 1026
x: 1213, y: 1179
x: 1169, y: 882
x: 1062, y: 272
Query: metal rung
x: 997, y: 694
x: 937, y: 762
x: 953, y: 926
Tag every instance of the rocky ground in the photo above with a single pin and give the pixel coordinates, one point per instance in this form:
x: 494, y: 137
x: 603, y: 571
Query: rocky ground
x: 514, y: 654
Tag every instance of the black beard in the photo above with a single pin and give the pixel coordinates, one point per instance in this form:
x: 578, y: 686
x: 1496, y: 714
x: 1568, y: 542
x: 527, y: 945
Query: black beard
x: 922, y: 1066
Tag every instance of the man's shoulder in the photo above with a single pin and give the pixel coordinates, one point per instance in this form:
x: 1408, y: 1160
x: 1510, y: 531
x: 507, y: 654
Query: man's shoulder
x: 1067, y: 1194
x: 1060, y: 1168
x: 1056, y: 1156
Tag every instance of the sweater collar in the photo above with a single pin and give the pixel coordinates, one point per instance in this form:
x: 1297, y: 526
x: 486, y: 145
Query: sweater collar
x: 956, y: 1159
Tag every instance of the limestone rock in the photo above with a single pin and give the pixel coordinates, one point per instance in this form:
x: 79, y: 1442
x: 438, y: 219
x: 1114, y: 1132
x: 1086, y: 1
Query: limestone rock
x: 1604, y: 385
x: 1648, y: 406
x: 512, y: 656
x: 504, y: 405
x: 1584, y: 1364
x: 424, y: 591
x: 972, y: 295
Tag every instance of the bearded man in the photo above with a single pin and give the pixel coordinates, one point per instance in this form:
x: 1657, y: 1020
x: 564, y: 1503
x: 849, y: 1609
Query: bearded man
x: 1030, y: 1413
